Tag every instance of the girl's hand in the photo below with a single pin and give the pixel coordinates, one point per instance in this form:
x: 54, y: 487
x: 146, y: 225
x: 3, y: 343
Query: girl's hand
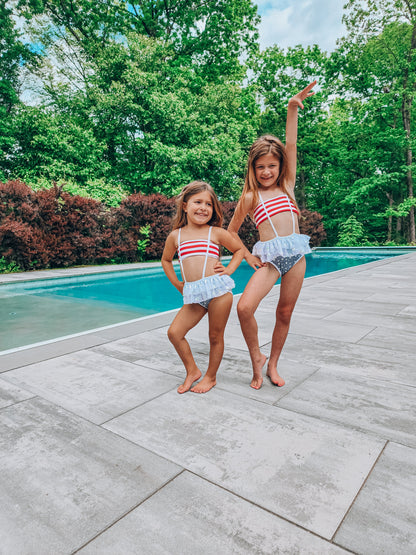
x: 180, y: 287
x: 219, y: 268
x: 298, y: 99
x: 254, y: 262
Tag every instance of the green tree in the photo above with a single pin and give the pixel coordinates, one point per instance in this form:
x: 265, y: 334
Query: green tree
x: 352, y: 233
x: 13, y: 56
x: 376, y: 64
x: 53, y: 146
x: 155, y: 85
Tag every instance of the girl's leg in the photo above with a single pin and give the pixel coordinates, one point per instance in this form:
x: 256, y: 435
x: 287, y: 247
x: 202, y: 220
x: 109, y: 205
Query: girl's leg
x: 289, y: 293
x: 256, y: 289
x: 186, y: 319
x: 218, y: 312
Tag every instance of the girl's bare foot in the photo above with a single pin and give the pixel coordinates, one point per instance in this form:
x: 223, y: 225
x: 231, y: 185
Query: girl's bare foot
x: 204, y: 385
x: 257, y: 380
x: 274, y: 377
x: 189, y: 380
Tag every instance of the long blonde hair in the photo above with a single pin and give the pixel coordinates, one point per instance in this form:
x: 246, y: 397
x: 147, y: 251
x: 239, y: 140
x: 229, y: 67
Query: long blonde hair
x: 266, y: 144
x: 193, y: 188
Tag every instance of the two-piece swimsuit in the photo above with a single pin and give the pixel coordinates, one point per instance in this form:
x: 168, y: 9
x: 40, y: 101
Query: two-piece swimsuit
x: 203, y: 290
x: 282, y: 251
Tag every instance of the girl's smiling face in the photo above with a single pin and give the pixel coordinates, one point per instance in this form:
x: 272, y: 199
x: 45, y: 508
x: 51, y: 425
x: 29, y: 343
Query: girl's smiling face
x: 267, y: 170
x: 199, y: 208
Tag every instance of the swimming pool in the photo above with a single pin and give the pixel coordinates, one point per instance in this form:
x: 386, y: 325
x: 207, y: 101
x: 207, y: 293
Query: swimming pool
x: 42, y: 310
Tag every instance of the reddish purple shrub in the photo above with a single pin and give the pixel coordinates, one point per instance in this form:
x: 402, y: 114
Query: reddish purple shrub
x: 137, y: 211
x: 51, y: 228
x: 72, y: 226
x: 23, y: 244
x: 247, y: 232
x: 310, y: 223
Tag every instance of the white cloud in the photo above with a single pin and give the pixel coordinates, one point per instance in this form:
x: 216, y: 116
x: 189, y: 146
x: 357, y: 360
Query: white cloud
x: 305, y: 22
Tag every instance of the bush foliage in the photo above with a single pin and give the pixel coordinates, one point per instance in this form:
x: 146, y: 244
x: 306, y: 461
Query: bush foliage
x: 50, y: 228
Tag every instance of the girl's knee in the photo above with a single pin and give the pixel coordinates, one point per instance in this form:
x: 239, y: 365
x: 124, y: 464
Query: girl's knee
x: 216, y: 336
x: 244, y: 309
x: 284, y: 314
x: 173, y: 335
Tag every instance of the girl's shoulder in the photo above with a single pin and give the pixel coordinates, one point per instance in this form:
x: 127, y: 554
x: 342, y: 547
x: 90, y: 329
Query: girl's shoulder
x: 173, y: 236
x: 247, y: 201
x: 219, y: 234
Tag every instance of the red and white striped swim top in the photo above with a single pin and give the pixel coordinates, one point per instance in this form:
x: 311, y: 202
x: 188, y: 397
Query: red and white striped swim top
x: 198, y: 248
x: 268, y: 208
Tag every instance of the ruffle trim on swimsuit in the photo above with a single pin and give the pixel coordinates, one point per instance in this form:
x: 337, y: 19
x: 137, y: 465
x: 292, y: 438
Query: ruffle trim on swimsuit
x: 207, y: 288
x: 288, y: 245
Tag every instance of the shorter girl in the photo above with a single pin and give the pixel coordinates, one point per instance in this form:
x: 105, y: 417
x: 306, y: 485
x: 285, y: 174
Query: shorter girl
x: 197, y: 236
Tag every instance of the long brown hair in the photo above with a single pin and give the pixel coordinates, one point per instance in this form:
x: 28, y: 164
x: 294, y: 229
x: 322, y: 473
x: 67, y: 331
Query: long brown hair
x: 193, y: 188
x: 266, y: 144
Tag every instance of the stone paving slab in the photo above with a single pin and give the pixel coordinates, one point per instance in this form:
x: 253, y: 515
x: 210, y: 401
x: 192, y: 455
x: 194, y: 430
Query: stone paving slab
x: 384, y: 309
x: 336, y: 295
x: 64, y: 480
x: 405, y: 295
x: 316, y: 308
x: 362, y: 360
x: 324, y: 329
x: 11, y: 394
x: 395, y: 339
x: 409, y: 311
x: 300, y: 468
x: 385, y: 409
x: 91, y: 385
x: 201, y: 518
x: 369, y: 318
x: 391, y: 490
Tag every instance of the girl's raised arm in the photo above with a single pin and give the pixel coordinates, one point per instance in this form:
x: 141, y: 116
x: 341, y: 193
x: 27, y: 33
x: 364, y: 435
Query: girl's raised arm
x: 295, y: 103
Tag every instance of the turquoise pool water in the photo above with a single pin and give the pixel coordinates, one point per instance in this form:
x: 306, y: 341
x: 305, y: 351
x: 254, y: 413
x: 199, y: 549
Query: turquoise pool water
x: 41, y: 310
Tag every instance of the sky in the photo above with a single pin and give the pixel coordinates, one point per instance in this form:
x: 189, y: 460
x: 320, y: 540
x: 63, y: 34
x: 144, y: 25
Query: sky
x: 291, y: 22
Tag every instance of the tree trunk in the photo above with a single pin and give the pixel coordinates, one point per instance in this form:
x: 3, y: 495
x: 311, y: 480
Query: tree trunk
x: 406, y: 114
x: 390, y: 220
x: 398, y: 230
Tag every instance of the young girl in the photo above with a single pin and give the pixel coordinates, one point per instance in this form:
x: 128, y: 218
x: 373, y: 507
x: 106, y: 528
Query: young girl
x: 197, y: 236
x: 268, y: 197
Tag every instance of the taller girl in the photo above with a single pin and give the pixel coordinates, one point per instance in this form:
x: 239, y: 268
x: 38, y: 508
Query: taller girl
x: 268, y: 197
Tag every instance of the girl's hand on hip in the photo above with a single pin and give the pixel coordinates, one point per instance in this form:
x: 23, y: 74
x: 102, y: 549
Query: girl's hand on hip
x: 219, y: 268
x: 254, y: 262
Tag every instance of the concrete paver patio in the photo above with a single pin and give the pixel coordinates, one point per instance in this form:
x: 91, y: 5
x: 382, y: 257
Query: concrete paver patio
x: 100, y: 455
